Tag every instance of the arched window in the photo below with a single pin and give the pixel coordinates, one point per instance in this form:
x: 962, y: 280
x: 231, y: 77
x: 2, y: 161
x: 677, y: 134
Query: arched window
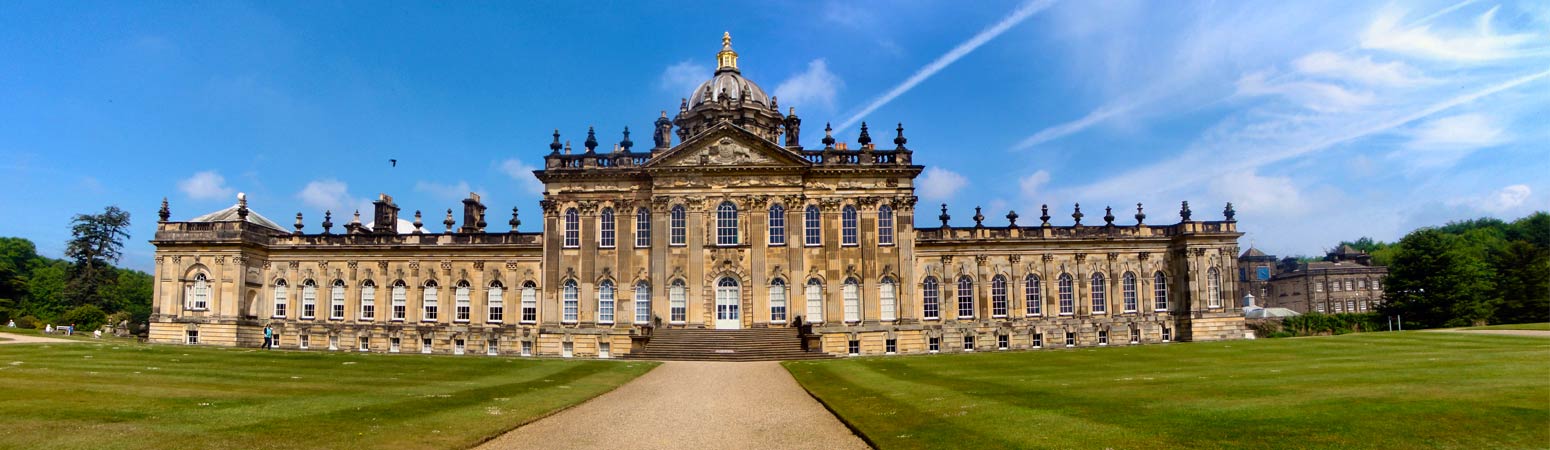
x: 778, y: 300
x: 884, y: 225
x: 200, y: 300
x: 496, y: 302
x: 642, y: 303
x: 814, y: 295
x: 428, y: 302
x: 400, y: 300
x: 643, y: 227
x: 998, y: 296
x: 1100, y: 296
x: 282, y: 294
x: 848, y: 226
x: 887, y: 299
x: 1214, y: 288
x: 605, y: 228
x: 605, y: 302
x: 777, y: 225
x: 677, y: 225
x: 336, y: 301
x: 1159, y: 291
x: 1128, y: 290
x: 678, y: 302
x: 571, y: 307
x: 572, y: 228
x: 1033, y: 295
x: 368, y: 300
x: 851, y: 292
x: 965, y: 297
x: 726, y: 224
x: 812, y: 226
x: 463, y: 298
x: 309, y: 299
x: 529, y: 302
x: 1067, y: 297
x: 930, y: 299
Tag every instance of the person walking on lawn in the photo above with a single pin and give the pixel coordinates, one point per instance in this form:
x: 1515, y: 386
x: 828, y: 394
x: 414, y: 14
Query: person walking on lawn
x: 268, y: 337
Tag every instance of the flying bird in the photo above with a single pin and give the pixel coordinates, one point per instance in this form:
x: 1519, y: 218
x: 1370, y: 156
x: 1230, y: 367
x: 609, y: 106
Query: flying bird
x: 394, y: 162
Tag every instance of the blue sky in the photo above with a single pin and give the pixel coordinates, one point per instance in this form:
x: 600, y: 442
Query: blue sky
x: 1320, y: 121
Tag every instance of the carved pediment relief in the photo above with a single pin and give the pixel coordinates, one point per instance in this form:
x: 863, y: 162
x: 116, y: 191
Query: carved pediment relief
x: 727, y: 145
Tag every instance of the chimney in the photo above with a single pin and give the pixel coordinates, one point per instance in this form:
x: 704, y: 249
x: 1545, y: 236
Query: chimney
x: 473, y: 215
x: 386, y: 217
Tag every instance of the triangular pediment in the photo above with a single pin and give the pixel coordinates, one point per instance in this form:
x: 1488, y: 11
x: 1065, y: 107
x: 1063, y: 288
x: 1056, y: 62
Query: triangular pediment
x: 727, y: 146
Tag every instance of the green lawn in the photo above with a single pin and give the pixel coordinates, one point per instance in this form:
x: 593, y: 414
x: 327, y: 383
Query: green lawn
x: 124, y: 395
x: 1365, y: 390
x: 1542, y: 326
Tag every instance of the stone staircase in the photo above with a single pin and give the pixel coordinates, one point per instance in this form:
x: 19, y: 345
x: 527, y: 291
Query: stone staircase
x: 756, y: 344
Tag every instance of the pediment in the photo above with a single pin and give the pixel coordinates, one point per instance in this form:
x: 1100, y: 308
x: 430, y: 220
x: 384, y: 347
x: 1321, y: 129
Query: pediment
x: 727, y: 146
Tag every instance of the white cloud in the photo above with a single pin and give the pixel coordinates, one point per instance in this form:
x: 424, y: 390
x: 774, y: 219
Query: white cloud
x: 207, y: 185
x: 1507, y: 199
x: 1363, y: 70
x: 1323, y: 97
x: 1259, y: 195
x: 1033, y: 184
x: 1075, y: 126
x: 523, y: 174
x: 330, y: 194
x: 1017, y: 16
x: 815, y: 87
x: 939, y: 184
x: 683, y: 78
x: 1480, y: 45
x: 450, y: 192
x: 1442, y: 142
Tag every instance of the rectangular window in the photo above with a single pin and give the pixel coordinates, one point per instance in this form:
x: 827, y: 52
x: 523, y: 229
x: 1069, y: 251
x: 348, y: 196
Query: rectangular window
x: 678, y: 225
x: 1033, y: 296
x: 572, y: 229
x: 1167, y: 334
x: 854, y: 347
x: 497, y: 303
x: 368, y: 302
x: 852, y: 297
x: 998, y: 297
x: 527, y: 348
x: 191, y: 338
x: 492, y: 347
x: 1135, y: 336
x: 934, y: 344
x: 886, y: 300
x: 1160, y: 292
x: 336, y: 304
x: 605, y: 303
x: 848, y: 227
x: 891, y: 346
x: 1067, y: 298
x: 642, y: 303
x: 1103, y: 337
x: 814, y: 301
x: 430, y: 304
x: 529, y: 304
x: 930, y: 299
x: 281, y: 298
x: 605, y: 225
x: 812, y: 232
x: 364, y: 344
x: 571, y: 304
x: 643, y: 228
x: 394, y: 345
x: 604, y: 350
x: 885, y: 226
x: 304, y: 342
x: 678, y: 303
x: 333, y: 342
x: 726, y: 224
x: 567, y: 350
x: 1038, y: 340
x: 457, y: 346
x: 464, y: 303
x: 1100, y: 295
x: 777, y: 226
x: 778, y: 302
x: 400, y: 302
x: 425, y: 345
x: 1003, y: 342
x: 1070, y: 339
x: 965, y: 298
x: 309, y: 302
x: 968, y: 343
x: 1128, y: 291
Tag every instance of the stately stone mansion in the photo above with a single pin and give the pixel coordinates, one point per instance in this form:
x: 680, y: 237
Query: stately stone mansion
x: 736, y: 226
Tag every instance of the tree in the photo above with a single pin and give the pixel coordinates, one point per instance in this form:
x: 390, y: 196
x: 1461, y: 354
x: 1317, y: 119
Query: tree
x: 1435, y: 281
x: 96, y: 242
x: 1522, y: 283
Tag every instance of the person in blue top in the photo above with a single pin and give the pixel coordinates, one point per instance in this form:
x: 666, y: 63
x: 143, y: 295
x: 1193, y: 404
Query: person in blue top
x: 268, y: 337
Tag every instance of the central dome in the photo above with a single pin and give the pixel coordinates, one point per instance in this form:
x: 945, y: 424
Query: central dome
x: 728, y: 82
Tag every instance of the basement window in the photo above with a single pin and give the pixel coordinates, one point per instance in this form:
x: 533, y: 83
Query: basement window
x: 854, y: 347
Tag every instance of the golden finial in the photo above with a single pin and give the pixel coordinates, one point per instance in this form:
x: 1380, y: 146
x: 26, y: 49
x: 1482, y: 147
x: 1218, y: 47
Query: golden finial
x: 726, y: 58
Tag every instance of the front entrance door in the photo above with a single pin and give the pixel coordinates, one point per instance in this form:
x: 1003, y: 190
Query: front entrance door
x: 729, y: 298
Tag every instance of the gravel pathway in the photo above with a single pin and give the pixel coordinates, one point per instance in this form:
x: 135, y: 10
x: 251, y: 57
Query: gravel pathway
x: 693, y: 405
x: 30, y: 339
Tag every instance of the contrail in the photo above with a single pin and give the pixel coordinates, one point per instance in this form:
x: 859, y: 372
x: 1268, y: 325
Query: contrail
x: 1018, y: 16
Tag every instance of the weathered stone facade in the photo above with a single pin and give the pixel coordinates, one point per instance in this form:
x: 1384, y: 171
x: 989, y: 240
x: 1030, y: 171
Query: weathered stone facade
x: 1346, y: 281
x: 729, y: 228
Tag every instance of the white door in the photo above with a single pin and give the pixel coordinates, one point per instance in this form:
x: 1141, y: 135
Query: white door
x: 728, y: 299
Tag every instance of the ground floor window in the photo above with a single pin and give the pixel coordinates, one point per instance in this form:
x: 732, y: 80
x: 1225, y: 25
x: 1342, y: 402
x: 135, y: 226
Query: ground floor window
x: 457, y: 346
x: 425, y: 345
x: 1103, y: 337
x: 1070, y: 339
x: 493, y: 347
x: 192, y: 337
x: 365, y: 344
x: 527, y: 348
x: 333, y: 342
x: 1135, y: 336
x: 854, y: 347
x: 304, y: 342
x: 891, y: 346
x: 567, y: 350
x: 1038, y: 340
x: 604, y: 350
x: 1167, y: 334
x: 934, y: 345
x: 968, y: 343
x: 1003, y: 342
x: 394, y: 344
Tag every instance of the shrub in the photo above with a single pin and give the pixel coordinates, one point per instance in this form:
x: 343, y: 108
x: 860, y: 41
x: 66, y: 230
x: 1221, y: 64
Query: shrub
x: 28, y: 322
x: 1316, y: 324
x: 86, y: 318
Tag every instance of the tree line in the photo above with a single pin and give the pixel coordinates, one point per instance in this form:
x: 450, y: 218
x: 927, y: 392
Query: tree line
x: 1467, y: 273
x: 85, y: 289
